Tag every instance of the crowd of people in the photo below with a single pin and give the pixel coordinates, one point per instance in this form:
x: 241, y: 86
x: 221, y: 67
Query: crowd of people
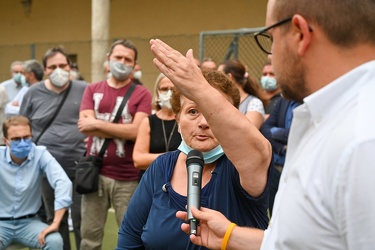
x: 287, y: 155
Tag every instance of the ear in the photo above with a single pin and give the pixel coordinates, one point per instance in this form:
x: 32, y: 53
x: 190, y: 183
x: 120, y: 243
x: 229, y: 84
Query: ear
x: 302, y: 33
x: 177, y: 118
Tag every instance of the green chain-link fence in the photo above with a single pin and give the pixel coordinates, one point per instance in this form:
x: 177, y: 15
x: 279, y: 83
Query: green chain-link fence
x: 239, y: 44
x: 218, y: 45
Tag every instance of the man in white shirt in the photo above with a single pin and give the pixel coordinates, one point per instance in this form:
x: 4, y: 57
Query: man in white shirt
x: 33, y: 73
x: 323, y: 55
x: 14, y: 84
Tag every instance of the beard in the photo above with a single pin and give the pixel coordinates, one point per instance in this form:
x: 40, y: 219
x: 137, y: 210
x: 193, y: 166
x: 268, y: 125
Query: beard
x: 291, y: 77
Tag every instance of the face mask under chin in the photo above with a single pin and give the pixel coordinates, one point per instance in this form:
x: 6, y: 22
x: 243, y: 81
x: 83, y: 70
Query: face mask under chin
x: 209, y: 156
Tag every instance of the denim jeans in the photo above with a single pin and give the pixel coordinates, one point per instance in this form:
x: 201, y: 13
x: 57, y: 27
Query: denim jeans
x: 49, y: 201
x: 25, y: 232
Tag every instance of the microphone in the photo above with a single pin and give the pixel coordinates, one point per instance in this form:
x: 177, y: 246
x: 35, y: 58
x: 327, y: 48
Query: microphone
x: 194, y: 165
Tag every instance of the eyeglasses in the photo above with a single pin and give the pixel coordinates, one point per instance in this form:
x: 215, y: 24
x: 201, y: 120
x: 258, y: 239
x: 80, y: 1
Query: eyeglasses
x: 264, y: 40
x: 164, y: 90
x: 61, y: 66
x: 26, y: 138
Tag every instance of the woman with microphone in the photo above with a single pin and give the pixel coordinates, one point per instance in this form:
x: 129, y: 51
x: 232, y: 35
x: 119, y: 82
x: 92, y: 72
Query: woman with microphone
x: 236, y: 156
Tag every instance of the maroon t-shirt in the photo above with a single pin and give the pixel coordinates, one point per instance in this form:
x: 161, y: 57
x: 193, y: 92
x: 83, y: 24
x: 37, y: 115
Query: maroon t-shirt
x: 105, y: 101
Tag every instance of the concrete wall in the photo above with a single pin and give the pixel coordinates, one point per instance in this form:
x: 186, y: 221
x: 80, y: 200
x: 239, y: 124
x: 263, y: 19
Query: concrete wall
x: 68, y: 23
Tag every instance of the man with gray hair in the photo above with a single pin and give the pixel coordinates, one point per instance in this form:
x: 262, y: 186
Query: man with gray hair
x: 14, y: 85
x: 32, y: 73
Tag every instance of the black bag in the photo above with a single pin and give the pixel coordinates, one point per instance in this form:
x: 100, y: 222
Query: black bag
x: 87, y: 174
x: 88, y: 167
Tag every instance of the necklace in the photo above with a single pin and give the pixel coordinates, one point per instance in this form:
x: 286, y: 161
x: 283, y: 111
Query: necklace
x: 167, y: 142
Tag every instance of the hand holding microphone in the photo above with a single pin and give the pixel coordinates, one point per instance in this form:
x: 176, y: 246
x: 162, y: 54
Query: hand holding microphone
x: 194, y: 165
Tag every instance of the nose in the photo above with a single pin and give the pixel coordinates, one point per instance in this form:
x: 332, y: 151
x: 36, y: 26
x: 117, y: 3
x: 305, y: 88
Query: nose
x: 203, y: 123
x: 270, y: 58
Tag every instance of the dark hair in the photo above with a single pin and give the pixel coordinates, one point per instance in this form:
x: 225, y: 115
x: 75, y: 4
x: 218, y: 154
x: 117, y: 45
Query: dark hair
x: 34, y: 67
x: 217, y: 80
x: 52, y: 52
x: 344, y: 22
x: 126, y: 43
x: 240, y: 75
x: 15, y: 121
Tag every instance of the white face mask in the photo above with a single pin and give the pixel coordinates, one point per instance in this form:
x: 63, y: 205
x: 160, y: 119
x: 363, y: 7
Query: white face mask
x: 164, y: 99
x: 137, y: 75
x: 109, y: 75
x: 59, y: 77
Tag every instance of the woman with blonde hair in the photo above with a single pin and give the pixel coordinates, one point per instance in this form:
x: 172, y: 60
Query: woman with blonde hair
x: 157, y: 133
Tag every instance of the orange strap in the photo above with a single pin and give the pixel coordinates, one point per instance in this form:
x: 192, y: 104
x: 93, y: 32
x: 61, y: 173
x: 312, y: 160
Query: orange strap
x: 227, y: 235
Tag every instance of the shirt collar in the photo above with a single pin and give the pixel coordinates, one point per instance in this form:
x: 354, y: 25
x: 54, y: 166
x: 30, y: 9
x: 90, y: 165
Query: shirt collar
x: 29, y: 157
x: 327, y: 100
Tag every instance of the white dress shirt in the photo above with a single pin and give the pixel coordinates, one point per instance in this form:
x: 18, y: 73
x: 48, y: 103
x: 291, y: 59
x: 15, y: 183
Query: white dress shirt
x: 325, y: 198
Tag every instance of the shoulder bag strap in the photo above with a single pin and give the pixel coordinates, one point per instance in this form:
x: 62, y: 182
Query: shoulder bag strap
x: 117, y: 118
x: 56, y: 112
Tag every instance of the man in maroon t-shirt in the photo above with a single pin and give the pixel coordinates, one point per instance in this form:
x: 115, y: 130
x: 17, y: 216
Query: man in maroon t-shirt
x: 118, y: 176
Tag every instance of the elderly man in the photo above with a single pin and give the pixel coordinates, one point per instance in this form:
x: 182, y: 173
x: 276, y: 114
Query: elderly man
x: 323, y: 55
x: 32, y: 73
x: 23, y: 165
x: 14, y: 84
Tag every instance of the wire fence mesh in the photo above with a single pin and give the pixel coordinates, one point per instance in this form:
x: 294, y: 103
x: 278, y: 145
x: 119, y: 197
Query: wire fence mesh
x: 218, y: 45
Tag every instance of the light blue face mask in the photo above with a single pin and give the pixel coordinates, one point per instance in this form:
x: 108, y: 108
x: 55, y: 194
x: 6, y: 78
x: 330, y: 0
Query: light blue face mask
x: 17, y: 77
x: 268, y: 83
x: 24, y: 82
x: 209, y: 156
x: 20, y: 149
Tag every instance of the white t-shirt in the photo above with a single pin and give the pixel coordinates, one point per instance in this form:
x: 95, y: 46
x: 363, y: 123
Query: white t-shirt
x: 252, y: 103
x: 325, y: 198
x: 10, y: 109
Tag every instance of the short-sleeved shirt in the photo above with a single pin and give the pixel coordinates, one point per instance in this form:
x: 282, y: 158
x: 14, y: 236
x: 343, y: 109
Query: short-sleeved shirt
x: 62, y: 138
x: 105, y: 100
x: 251, y: 103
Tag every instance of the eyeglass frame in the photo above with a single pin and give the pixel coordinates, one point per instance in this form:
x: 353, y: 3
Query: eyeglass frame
x: 263, y: 33
x: 18, y: 139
